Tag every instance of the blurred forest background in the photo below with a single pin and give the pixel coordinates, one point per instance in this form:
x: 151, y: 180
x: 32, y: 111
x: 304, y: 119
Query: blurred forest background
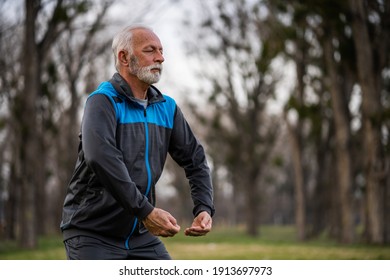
x: 291, y: 102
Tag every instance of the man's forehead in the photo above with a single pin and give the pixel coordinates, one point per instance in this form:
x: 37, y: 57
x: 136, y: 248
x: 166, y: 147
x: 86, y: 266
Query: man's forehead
x: 142, y: 37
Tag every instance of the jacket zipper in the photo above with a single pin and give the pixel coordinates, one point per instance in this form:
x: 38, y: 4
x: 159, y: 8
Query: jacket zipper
x: 148, y: 171
x: 149, y: 175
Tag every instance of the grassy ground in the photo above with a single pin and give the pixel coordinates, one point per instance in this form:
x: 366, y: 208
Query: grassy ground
x: 275, y: 243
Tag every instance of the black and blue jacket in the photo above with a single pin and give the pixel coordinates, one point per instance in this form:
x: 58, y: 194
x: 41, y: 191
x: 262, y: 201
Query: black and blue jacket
x: 122, y: 152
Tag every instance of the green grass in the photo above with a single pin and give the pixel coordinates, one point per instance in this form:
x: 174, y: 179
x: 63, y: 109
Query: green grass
x: 275, y: 243
x: 49, y: 248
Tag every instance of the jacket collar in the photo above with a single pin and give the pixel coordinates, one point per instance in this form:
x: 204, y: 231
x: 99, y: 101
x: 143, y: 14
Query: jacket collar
x: 122, y: 88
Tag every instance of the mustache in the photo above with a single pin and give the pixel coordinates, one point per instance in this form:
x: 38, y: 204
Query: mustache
x: 155, y: 66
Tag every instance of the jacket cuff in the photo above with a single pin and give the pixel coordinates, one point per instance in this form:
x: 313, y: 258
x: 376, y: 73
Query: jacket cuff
x: 201, y: 208
x: 145, y: 211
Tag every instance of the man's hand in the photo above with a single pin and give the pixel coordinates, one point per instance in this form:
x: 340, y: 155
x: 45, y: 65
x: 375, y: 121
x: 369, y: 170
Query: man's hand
x: 161, y: 223
x: 200, y: 226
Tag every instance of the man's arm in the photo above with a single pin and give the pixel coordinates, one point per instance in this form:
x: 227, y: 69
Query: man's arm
x: 186, y: 150
x: 102, y: 156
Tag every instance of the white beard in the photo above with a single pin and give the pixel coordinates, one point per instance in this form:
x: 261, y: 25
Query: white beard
x: 145, y: 74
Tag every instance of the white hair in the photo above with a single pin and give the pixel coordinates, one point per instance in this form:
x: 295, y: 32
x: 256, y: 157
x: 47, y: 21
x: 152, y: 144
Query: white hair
x: 123, y: 41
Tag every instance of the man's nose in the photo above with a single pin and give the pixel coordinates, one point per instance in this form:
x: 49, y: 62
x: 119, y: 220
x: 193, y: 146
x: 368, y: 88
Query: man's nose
x: 159, y: 57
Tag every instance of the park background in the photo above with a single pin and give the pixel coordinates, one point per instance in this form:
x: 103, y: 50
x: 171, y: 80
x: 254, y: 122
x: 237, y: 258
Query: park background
x: 290, y: 99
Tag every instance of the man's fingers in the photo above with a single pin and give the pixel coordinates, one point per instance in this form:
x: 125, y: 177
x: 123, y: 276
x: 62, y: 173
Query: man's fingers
x: 170, y: 232
x: 196, y: 231
x: 174, y: 229
x: 201, y: 226
x: 206, y: 223
x: 204, y: 220
x: 161, y: 223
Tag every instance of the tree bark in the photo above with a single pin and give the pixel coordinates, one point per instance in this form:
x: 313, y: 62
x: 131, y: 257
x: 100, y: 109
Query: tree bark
x: 295, y: 133
x: 28, y: 129
x: 371, y: 108
x: 299, y: 185
x: 342, y: 144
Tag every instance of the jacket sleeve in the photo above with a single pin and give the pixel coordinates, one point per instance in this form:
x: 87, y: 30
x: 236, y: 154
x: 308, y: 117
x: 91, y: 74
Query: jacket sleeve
x: 106, y: 161
x: 186, y: 150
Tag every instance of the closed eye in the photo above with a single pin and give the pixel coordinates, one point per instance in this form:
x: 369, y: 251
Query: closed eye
x: 152, y: 50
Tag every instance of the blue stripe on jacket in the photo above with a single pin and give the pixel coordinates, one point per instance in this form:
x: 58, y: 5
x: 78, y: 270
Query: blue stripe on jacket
x: 160, y: 114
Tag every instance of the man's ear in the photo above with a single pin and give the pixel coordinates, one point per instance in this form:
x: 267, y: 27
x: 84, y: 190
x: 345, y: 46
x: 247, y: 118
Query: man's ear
x: 122, y: 57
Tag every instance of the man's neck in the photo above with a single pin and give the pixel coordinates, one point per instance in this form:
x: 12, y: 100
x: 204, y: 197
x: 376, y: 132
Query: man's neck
x: 138, y: 87
x: 139, y: 92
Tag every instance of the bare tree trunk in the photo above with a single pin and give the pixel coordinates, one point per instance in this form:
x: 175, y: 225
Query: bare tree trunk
x: 252, y: 206
x: 386, y: 198
x: 385, y: 55
x: 11, y: 209
x: 299, y: 187
x: 371, y: 108
x: 295, y: 134
x: 28, y: 126
x: 322, y: 197
x: 40, y: 158
x: 343, y: 152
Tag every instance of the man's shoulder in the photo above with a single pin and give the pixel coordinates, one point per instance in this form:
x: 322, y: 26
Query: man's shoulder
x: 105, y: 94
x: 105, y: 88
x: 169, y: 101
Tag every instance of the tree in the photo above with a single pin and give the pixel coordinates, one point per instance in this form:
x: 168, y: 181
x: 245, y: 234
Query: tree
x: 241, y: 134
x: 75, y: 65
x: 324, y: 27
x: 28, y: 127
x: 342, y: 143
x: 46, y: 77
x: 9, y: 85
x: 340, y: 86
x: 296, y: 47
x: 28, y: 112
x: 371, y: 43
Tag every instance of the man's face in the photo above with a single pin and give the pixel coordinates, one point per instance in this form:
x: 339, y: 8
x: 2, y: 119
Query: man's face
x: 147, y: 58
x: 149, y: 74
